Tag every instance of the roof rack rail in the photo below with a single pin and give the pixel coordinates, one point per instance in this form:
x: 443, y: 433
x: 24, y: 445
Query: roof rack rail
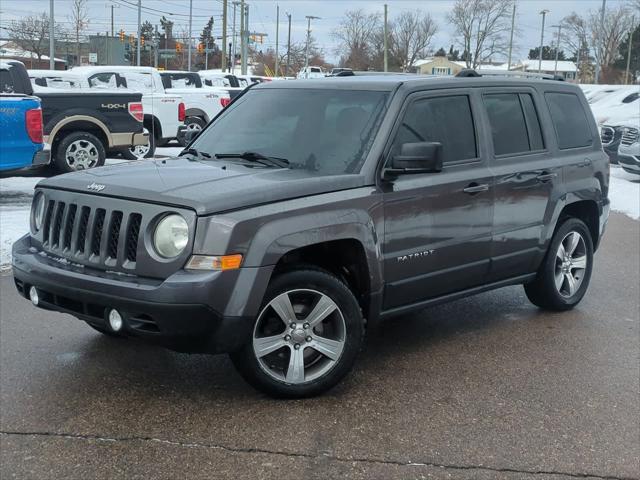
x: 470, y: 72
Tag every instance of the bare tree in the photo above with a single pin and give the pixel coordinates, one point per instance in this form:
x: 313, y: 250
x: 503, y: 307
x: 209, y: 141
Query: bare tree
x: 79, y: 21
x: 482, y: 26
x: 411, y: 35
x: 606, y: 38
x: 31, y: 34
x: 355, y: 34
x: 575, y: 36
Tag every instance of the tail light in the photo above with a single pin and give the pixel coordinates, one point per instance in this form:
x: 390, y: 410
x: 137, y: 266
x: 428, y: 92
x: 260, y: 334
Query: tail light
x: 34, y: 124
x: 136, y: 111
x: 182, y: 113
x: 224, y: 102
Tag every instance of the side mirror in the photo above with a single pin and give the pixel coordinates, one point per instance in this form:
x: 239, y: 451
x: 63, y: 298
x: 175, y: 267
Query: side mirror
x: 420, y: 157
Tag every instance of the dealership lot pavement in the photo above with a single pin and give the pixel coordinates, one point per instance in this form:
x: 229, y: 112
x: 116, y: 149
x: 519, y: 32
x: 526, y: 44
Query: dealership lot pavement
x: 486, y: 387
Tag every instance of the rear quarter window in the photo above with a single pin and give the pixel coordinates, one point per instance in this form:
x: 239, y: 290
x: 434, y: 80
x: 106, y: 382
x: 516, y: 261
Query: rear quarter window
x: 570, y: 121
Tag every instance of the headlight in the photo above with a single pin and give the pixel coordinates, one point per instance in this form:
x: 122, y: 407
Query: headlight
x: 171, y: 236
x: 38, y: 211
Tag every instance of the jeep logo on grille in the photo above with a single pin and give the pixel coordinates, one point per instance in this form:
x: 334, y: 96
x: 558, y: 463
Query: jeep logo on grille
x: 96, y: 187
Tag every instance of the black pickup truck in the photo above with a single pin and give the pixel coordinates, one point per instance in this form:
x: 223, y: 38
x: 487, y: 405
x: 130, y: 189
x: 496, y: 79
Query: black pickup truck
x: 81, y: 127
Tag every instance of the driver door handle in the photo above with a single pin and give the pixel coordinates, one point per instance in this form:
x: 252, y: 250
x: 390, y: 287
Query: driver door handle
x: 474, y: 188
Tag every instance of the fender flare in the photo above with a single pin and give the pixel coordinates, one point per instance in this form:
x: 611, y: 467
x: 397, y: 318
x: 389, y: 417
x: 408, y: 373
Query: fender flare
x: 79, y: 118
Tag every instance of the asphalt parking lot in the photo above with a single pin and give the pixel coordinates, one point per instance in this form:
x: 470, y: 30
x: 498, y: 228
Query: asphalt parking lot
x: 486, y: 387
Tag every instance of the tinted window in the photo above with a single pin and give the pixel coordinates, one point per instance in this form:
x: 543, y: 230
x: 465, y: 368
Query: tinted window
x: 508, y: 127
x: 447, y: 120
x: 569, y: 120
x: 533, y: 122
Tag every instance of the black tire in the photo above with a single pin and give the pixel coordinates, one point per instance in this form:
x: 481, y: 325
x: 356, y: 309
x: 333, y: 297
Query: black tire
x: 542, y: 291
x: 88, y: 141
x: 130, y: 155
x: 320, y: 281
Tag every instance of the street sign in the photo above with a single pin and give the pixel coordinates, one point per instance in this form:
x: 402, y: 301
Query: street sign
x: 93, y: 58
x: 164, y: 55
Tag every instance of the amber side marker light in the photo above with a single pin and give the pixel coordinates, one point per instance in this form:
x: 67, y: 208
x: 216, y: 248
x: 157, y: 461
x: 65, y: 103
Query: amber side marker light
x: 209, y: 262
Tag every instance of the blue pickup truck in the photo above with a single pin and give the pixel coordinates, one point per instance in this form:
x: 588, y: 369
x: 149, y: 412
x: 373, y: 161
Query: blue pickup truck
x: 21, y: 134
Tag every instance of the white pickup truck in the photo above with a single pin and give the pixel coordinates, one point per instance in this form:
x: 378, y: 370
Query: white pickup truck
x: 228, y: 81
x: 164, y: 113
x: 202, y: 102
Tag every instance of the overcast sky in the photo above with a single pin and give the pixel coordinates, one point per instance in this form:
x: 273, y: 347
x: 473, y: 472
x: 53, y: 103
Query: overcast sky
x: 262, y: 16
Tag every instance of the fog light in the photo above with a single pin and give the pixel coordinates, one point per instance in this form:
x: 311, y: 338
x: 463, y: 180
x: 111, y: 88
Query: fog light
x: 115, y: 320
x: 33, y: 295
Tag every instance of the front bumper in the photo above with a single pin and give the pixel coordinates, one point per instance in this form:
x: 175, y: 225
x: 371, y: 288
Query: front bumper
x: 187, y: 312
x: 629, y: 157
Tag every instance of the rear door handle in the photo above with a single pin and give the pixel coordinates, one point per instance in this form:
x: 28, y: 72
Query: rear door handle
x: 474, y: 188
x: 545, y: 177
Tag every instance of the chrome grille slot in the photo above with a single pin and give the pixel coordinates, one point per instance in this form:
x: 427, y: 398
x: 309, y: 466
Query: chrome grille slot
x: 47, y: 221
x: 96, y: 237
x: 54, y: 236
x: 82, y: 230
x: 133, y: 232
x: 114, y: 234
x: 630, y: 136
x: 68, y: 226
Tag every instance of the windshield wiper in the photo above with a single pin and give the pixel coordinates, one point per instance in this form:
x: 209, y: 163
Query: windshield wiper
x: 257, y: 157
x: 194, y: 152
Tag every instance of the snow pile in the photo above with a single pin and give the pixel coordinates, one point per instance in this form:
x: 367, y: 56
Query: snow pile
x: 624, y: 192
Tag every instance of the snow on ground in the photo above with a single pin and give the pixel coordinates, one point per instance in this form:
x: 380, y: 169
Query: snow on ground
x: 16, y: 193
x: 624, y: 192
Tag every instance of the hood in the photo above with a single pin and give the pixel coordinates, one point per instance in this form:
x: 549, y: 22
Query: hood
x: 204, y: 186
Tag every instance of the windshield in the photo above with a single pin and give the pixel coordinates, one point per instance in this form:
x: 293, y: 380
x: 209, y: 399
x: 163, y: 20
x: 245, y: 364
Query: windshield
x: 325, y: 131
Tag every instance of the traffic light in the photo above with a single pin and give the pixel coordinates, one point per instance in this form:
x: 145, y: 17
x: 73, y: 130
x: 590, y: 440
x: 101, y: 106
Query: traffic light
x: 121, y: 34
x: 178, y: 47
x: 200, y: 48
x: 142, y: 41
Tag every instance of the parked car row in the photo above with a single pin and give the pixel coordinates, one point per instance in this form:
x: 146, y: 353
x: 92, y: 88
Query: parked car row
x: 616, y: 109
x: 78, y: 128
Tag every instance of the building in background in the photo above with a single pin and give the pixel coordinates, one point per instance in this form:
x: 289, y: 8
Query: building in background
x: 9, y: 51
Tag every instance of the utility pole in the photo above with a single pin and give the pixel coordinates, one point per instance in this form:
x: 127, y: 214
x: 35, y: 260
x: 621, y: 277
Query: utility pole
x: 275, y: 74
x: 289, y: 47
x: 555, y: 68
x: 245, y: 51
x: 233, y: 53
x: 156, y: 45
x: 513, y: 25
x: 544, y: 14
x: 306, y: 50
x: 112, y: 32
x: 604, y: 4
x: 386, y: 36
x: 223, y: 61
x: 139, y: 31
x: 242, y: 28
x: 626, y: 73
x: 52, y: 47
x: 190, y: 42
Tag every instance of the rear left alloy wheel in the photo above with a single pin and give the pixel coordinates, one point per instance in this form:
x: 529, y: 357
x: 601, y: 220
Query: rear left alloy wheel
x: 563, y: 277
x: 306, y: 337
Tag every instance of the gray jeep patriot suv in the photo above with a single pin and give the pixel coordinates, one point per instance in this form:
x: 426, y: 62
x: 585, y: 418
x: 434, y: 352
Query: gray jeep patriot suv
x: 308, y: 208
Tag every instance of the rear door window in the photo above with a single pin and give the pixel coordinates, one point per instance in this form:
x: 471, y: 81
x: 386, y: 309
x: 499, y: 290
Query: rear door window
x: 515, y: 126
x: 447, y: 120
x: 569, y: 120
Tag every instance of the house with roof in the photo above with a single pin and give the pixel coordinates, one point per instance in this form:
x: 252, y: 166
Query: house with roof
x: 565, y: 68
x: 10, y: 51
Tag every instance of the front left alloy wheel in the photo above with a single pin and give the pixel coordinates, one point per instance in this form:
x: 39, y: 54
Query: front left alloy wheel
x: 305, y: 338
